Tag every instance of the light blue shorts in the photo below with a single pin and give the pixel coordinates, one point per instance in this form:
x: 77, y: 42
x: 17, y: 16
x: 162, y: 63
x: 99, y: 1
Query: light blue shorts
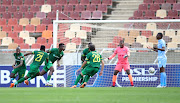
x: 162, y: 62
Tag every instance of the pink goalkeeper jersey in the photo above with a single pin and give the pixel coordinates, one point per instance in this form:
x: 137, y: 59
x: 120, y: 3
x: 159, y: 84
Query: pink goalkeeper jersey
x: 121, y: 52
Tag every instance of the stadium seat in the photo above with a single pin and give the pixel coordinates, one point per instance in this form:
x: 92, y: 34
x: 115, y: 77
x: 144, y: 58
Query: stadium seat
x: 134, y: 33
x: 13, y: 34
x: 155, y: 32
x: 146, y: 33
x: 34, y: 8
x: 63, y: 27
x: 107, y: 2
x: 12, y: 9
x: 71, y: 47
x: 64, y: 40
x: 129, y: 40
x: 75, y: 27
x: 12, y: 46
x: 50, y: 27
x: 51, y: 15
x: 170, y: 33
x: 24, y: 46
x: 174, y: 26
x: 137, y: 45
x: 176, y: 6
x: 28, y: 15
x: 123, y: 33
x: 30, y: 28
x: 17, y: 2
x: 6, y: 28
x: 69, y: 34
x: 166, y: 6
x: 56, y: 7
x: 139, y: 26
x: 134, y: 18
x: 6, y: 41
x: 51, y: 2
x: 35, y: 46
x: 62, y: 2
x: 154, y: 7
x: 50, y: 41
x: 47, y: 34
x: 48, y: 46
x: 149, y: 13
x: 171, y: 1
x: 2, y: 9
x: 40, y: 28
x: 79, y: 8
x: 148, y: 1
x: 86, y: 15
x: 24, y: 21
x: 178, y: 32
x: 112, y: 45
x: 6, y: 2
x: 40, y: 15
x: 73, y: 2
x: 95, y: 2
x: 18, y: 40
x: 138, y: 13
x: 76, y: 40
x: 6, y: 15
x: 75, y: 15
x: 18, y: 15
x: 152, y: 39
x: 60, y: 35
x: 172, y: 13
x: 143, y: 7
x: 41, y: 40
x: 159, y: 1
x: 176, y: 39
x: 167, y: 39
x: 84, y: 2
x: 46, y: 8
x: 116, y: 39
x: 161, y: 13
x: 148, y: 44
x: 63, y: 16
x: 39, y: 2
x: 68, y: 8
x: 171, y: 45
x: 102, y: 8
x: 46, y: 21
x: 2, y: 21
x: 97, y: 15
x: 28, y: 2
x: 151, y: 26
x: 35, y: 21
x: 23, y: 8
x: 86, y: 27
x: 141, y: 39
x: 2, y: 34
x: 162, y: 25
x: 12, y: 22
x: 30, y: 40
x: 81, y: 34
x: 24, y: 34
x: 91, y: 8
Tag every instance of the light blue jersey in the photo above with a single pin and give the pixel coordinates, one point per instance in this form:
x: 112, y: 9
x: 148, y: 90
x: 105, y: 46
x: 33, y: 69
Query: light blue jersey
x: 162, y: 59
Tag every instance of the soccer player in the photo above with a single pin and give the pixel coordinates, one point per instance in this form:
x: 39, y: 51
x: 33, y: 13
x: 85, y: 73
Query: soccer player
x: 39, y: 58
x: 123, y: 54
x: 162, y: 59
x: 19, y: 66
x: 92, y: 67
x: 55, y: 54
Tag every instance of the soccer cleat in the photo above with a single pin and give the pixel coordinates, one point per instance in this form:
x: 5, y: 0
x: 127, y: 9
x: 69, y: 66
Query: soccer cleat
x: 81, y: 80
x: 48, y: 84
x: 83, y: 85
x: 26, y: 82
x: 12, y: 85
x: 74, y: 86
x: 159, y: 86
x: 112, y: 86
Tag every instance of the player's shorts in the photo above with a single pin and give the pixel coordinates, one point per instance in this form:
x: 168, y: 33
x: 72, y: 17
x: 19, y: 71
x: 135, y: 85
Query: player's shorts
x: 162, y: 62
x: 90, y: 71
x: 47, y: 66
x: 33, y: 71
x: 121, y: 66
x: 21, y: 71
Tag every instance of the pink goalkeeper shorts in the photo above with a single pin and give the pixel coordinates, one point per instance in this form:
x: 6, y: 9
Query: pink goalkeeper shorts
x: 120, y: 66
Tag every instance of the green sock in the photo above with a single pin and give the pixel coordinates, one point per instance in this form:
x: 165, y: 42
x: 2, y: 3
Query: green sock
x: 21, y: 80
x: 86, y: 79
x: 49, y: 77
x: 29, y: 79
x: 78, y: 78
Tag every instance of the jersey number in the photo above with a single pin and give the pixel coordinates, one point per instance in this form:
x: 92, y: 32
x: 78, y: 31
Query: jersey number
x: 96, y: 58
x: 39, y: 57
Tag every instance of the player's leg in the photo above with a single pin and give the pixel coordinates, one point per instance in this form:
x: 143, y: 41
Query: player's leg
x: 81, y: 80
x: 19, y: 81
x: 117, y: 69
x: 51, y: 70
x: 127, y: 69
x: 13, y: 74
x: 32, y: 76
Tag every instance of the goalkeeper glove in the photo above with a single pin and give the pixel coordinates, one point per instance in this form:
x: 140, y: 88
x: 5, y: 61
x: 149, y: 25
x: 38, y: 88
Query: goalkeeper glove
x: 125, y: 56
x: 106, y: 59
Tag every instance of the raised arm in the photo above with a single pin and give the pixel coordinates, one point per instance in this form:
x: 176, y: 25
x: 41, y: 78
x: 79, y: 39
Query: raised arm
x: 28, y: 54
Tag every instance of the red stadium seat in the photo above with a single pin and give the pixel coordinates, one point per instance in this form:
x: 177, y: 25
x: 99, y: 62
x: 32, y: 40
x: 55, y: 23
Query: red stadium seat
x: 28, y: 2
x: 12, y: 8
x: 138, y: 13
x: 149, y: 13
x: 133, y: 18
x: 86, y: 15
x: 6, y: 2
x: 87, y: 28
x: 40, y: 15
x: 154, y: 7
x: 6, y: 28
x: 19, y: 40
x: 162, y: 25
x: 28, y: 15
x: 34, y: 8
x: 18, y: 15
x: 139, y: 26
x: 171, y: 1
x: 112, y: 45
x: 63, y: 16
x: 64, y: 40
x: 13, y: 21
x: 2, y: 21
x: 116, y: 39
x: 50, y: 41
x: 35, y: 46
x: 136, y: 45
x: 91, y: 8
x: 146, y: 33
x: 18, y: 28
x: 84, y: 2
x: 76, y: 40
x: 30, y: 28
x: 167, y: 39
x: 107, y: 2
x: 41, y: 40
x: 75, y: 15
x: 2, y: 9
x: 68, y: 8
x: 171, y: 17
x: 159, y: 1
x: 166, y: 6
x: 50, y: 27
x: 51, y: 2
x: 46, y: 21
x: 17, y: 2
x: 57, y: 7
x: 62, y: 2
x: 23, y: 8
x: 148, y: 1
x: 79, y: 8
x: 73, y: 2
x: 13, y: 34
x: 51, y: 15
x: 97, y: 15
x: 48, y: 46
x: 95, y: 2
x: 40, y: 28
x: 176, y: 6
x: 102, y: 8
x: 172, y: 13
x: 6, y: 15
x: 24, y: 46
x: 39, y: 2
x: 174, y: 26
x: 143, y: 7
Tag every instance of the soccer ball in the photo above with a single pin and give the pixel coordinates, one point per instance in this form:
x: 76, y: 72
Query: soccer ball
x: 151, y: 70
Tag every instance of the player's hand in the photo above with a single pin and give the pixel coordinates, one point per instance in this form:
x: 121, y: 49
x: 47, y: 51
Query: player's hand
x: 79, y: 69
x: 149, y: 47
x: 14, y: 67
x: 58, y: 65
x: 106, y: 60
x: 100, y: 73
x: 21, y: 57
x: 125, y: 56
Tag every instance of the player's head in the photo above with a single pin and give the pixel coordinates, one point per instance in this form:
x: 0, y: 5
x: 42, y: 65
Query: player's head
x: 89, y: 44
x: 121, y: 43
x: 18, y: 50
x: 159, y: 36
x: 61, y: 47
x: 92, y: 47
x: 42, y: 48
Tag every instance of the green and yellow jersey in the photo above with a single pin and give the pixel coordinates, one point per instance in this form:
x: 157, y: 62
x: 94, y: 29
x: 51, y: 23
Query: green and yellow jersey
x: 18, y: 59
x: 39, y: 58
x: 94, y: 59
x: 85, y: 52
x: 55, y: 54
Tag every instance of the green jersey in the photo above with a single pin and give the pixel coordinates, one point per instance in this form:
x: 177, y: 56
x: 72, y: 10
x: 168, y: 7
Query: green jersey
x: 94, y: 59
x: 85, y: 52
x: 18, y: 59
x: 39, y: 57
x: 55, y: 54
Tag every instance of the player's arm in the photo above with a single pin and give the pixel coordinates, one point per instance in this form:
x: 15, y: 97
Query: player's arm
x: 84, y: 63
x: 21, y: 63
x: 28, y: 54
x: 83, y: 56
x: 48, y: 51
x: 128, y: 54
x: 161, y: 49
x: 102, y: 68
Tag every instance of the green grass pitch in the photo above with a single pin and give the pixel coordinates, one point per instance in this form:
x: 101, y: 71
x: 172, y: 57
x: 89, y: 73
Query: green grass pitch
x: 90, y: 95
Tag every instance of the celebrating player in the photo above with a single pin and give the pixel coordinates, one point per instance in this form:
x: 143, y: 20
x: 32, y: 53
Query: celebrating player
x: 162, y: 59
x: 123, y: 54
x: 19, y: 66
x: 39, y: 58
x: 92, y: 67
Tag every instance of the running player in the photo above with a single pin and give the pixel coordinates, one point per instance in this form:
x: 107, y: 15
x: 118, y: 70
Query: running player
x: 92, y: 67
x: 39, y: 58
x: 162, y: 59
x: 123, y: 54
x: 19, y: 66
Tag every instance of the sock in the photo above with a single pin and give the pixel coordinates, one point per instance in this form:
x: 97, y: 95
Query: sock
x: 48, y: 78
x: 21, y: 80
x: 131, y: 79
x: 29, y: 79
x: 78, y: 78
x: 114, y: 79
x: 86, y: 78
x: 162, y: 78
x: 12, y: 79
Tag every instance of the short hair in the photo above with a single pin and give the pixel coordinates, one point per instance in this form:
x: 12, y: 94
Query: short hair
x: 92, y: 47
x: 42, y: 47
x: 61, y: 44
x: 160, y: 34
x: 121, y: 41
x: 89, y: 43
